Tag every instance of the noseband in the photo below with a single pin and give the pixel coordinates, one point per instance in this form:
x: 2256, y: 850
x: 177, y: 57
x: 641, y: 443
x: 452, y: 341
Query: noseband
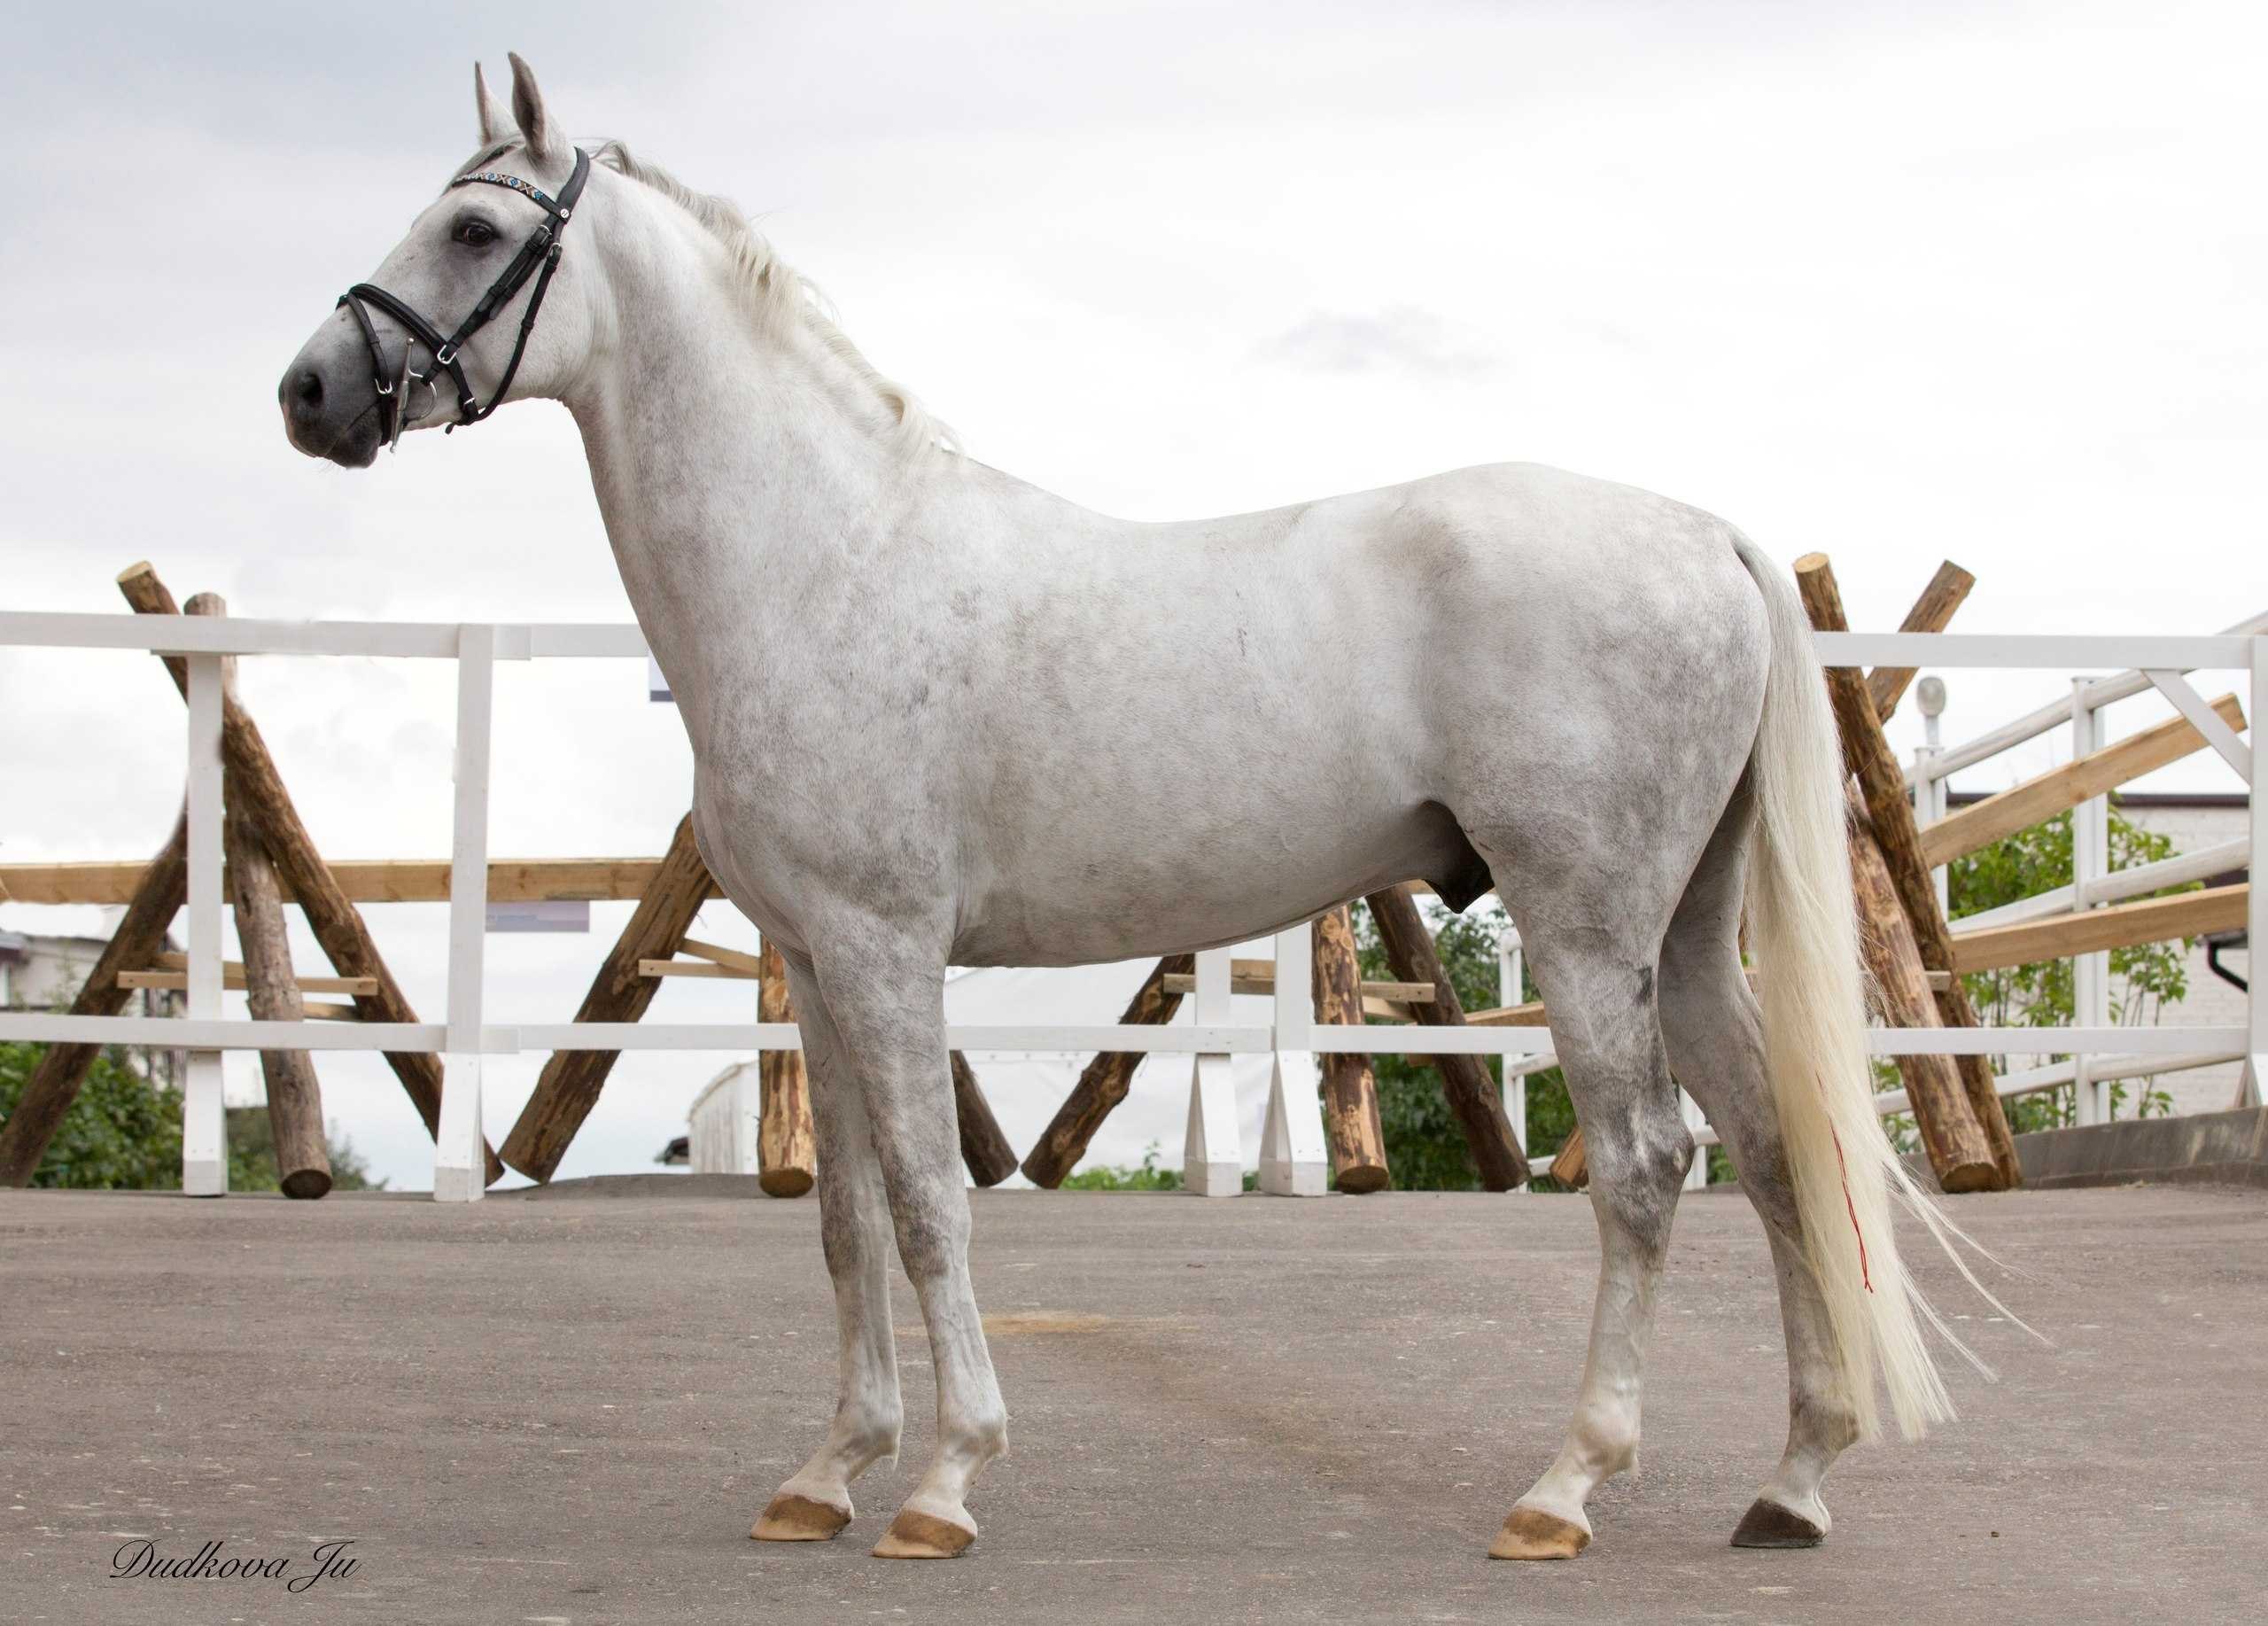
x: 539, y: 257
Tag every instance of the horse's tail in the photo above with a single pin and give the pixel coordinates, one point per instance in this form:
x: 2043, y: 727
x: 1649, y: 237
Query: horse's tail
x: 1804, y: 931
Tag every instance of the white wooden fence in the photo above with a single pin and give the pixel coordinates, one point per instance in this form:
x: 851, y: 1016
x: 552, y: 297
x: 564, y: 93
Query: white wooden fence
x: 1292, y: 1156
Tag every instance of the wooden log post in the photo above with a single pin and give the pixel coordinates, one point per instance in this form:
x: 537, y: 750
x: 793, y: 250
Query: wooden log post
x: 1958, y: 1152
x: 786, y: 1153
x: 62, y: 1068
x: 983, y: 1149
x: 1886, y: 685
x: 1104, y: 1082
x: 569, y: 1085
x: 253, y: 784
x: 1352, y: 1129
x: 1959, y: 1155
x: 271, y: 988
x: 1881, y: 788
x: 1472, y: 1094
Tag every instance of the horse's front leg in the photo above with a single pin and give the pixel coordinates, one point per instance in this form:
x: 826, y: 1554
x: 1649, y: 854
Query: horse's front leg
x: 886, y: 997
x: 854, y: 1230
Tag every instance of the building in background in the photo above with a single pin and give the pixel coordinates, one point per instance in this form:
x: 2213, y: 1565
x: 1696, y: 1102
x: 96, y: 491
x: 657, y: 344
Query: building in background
x: 45, y: 973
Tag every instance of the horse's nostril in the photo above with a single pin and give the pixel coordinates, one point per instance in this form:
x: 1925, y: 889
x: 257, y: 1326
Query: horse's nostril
x: 308, y: 387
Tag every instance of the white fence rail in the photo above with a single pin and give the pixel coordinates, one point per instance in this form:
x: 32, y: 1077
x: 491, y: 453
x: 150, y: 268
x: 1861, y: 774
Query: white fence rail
x: 1293, y: 1136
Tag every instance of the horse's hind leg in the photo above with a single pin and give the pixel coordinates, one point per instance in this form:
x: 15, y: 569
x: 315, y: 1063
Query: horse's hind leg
x: 855, y: 1233
x: 1715, y: 1036
x: 1598, y: 981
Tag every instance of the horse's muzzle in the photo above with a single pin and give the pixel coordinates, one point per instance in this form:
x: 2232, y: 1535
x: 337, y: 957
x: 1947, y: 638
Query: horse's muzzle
x: 329, y: 410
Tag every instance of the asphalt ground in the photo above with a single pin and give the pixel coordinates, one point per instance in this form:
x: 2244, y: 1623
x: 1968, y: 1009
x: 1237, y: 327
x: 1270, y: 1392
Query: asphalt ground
x: 568, y: 1406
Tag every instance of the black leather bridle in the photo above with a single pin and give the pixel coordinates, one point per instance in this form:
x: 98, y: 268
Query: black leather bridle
x: 539, y: 257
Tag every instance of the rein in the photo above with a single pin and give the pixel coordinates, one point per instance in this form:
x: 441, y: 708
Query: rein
x: 539, y: 257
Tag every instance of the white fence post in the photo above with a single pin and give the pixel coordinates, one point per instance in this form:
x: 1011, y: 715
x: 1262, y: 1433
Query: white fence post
x: 1292, y: 1161
x: 1929, y: 806
x: 2090, y: 861
x: 2253, y: 1088
x: 205, y: 1117
x: 1212, y: 1156
x: 1509, y: 978
x: 460, y: 1159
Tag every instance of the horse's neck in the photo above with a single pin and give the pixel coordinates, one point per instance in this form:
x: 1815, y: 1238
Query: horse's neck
x: 729, y: 470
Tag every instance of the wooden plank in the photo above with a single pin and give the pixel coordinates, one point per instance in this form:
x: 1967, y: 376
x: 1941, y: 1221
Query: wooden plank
x: 1571, y: 1164
x: 1886, y: 685
x: 1527, y: 1016
x: 1881, y: 789
x: 1263, y: 983
x: 740, y: 958
x: 694, y: 968
x: 1353, y: 1133
x: 1103, y: 1082
x: 173, y: 974
x: 1473, y: 1095
x: 569, y: 1085
x: 2042, y: 797
x: 61, y: 1070
x: 254, y: 784
x: 2149, y: 920
x: 361, y: 881
x: 786, y: 1150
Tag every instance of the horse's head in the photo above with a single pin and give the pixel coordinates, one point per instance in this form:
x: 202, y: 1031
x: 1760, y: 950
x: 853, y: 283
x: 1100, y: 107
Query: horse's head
x: 444, y: 329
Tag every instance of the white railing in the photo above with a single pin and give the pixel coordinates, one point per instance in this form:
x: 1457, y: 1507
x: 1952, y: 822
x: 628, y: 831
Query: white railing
x: 1292, y: 1155
x: 2092, y: 880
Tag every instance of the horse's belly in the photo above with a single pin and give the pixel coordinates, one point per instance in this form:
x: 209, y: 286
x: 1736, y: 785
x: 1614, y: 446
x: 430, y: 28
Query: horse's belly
x: 1189, y: 892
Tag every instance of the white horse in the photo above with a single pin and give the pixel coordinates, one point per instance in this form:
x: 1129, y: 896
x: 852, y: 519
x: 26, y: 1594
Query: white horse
x: 939, y: 716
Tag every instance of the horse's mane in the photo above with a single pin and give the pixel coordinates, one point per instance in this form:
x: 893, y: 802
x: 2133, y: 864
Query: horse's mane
x: 785, y: 300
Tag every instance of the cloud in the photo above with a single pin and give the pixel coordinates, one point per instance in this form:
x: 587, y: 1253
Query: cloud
x: 1398, y: 338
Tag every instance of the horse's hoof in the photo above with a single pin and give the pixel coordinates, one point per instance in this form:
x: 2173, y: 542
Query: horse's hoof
x: 798, y: 1518
x: 1531, y: 1533
x: 1768, y: 1524
x: 922, y: 1536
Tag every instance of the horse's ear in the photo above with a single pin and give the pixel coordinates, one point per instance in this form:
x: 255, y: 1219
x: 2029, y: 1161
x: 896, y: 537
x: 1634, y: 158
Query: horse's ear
x: 540, y: 132
x: 495, y: 123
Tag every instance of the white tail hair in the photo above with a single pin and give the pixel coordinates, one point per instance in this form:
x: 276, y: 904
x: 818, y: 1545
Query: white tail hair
x: 1804, y: 931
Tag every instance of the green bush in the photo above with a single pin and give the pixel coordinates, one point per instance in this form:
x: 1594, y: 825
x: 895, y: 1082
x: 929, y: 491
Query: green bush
x: 1149, y: 1177
x: 123, y: 1134
x: 2145, y: 979
x: 1425, y: 1148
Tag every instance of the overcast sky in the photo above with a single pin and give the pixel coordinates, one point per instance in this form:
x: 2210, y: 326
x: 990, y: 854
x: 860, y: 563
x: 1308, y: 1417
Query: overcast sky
x: 1899, y: 282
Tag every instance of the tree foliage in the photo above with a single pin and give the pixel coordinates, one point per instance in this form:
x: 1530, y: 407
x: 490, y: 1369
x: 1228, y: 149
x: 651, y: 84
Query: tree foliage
x: 1425, y: 1148
x: 123, y: 1134
x: 2145, y: 978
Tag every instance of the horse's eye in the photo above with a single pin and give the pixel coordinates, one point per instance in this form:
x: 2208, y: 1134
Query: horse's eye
x: 475, y: 233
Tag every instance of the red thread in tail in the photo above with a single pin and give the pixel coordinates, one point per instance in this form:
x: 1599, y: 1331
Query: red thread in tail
x: 1865, y: 1279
